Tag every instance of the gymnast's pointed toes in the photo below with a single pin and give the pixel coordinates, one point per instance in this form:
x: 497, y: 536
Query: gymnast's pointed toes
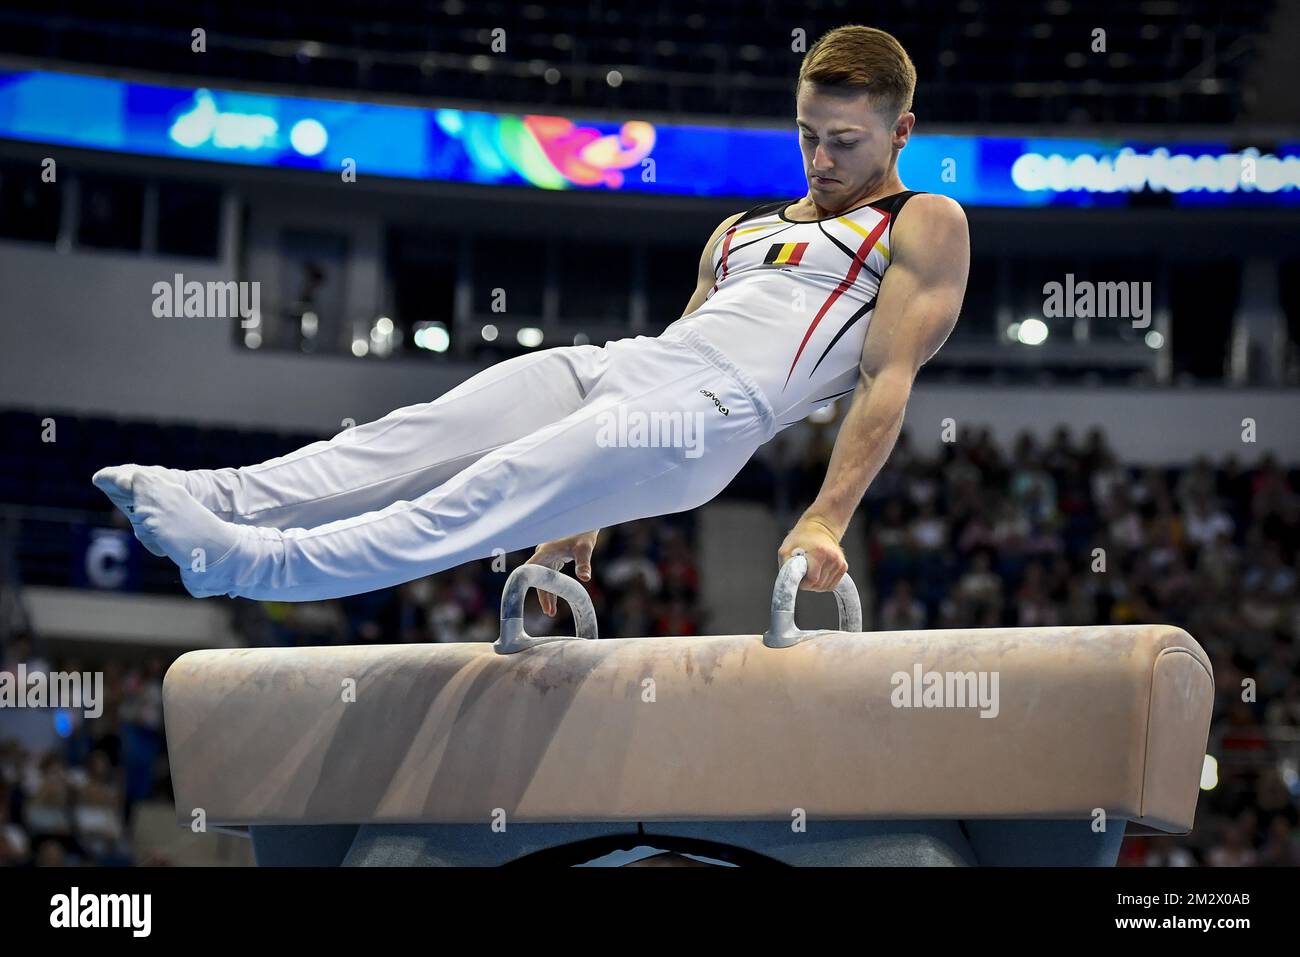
x: 150, y: 543
x: 116, y: 481
x: 158, y: 492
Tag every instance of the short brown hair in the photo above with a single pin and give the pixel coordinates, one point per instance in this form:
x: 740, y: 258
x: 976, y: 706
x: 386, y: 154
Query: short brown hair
x: 862, y: 58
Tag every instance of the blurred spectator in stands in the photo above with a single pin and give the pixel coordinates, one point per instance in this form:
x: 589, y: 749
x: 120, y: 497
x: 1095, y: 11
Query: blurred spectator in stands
x: 677, y: 567
x: 1034, y: 609
x: 632, y: 616
x: 1282, y: 846
x: 1032, y: 487
x: 929, y: 529
x: 1196, y: 482
x: 486, y: 626
x: 51, y: 853
x: 977, y: 535
x: 98, y: 814
x: 372, y: 616
x: 142, y: 732
x: 901, y: 611
x: 1108, y: 479
x: 980, y: 588
x: 1284, y: 711
x: 1163, y: 852
x: 467, y: 591
x: 891, y: 549
x: 1081, y: 606
x: 1234, y: 849
x: 47, y: 810
x: 1205, y: 520
x: 15, y: 848
x: 676, y: 619
x: 633, y: 569
x: 306, y: 623
x: 1123, y: 522
x: 446, y: 616
x: 21, y: 650
x: 1011, y: 529
x: 414, y: 622
x: 1164, y: 534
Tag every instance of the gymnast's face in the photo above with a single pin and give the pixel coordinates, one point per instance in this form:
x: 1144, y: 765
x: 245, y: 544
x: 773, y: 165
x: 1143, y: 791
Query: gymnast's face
x: 850, y: 148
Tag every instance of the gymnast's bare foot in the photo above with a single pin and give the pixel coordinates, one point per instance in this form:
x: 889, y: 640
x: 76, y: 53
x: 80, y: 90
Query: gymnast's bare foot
x: 118, y: 483
x: 188, y: 534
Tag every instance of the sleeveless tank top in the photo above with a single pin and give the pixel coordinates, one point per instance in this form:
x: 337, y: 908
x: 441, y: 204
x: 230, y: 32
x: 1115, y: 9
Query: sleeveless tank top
x: 792, y: 301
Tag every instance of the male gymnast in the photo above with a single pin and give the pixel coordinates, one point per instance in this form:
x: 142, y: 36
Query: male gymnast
x: 849, y: 289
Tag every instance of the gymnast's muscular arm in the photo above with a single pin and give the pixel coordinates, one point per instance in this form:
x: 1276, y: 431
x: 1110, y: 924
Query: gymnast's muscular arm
x: 920, y: 297
x: 578, y: 548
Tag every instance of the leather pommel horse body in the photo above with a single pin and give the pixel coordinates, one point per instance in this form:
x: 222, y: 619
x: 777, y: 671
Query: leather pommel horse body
x: 972, y: 746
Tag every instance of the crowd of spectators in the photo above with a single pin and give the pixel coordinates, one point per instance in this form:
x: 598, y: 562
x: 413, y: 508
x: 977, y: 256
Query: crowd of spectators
x: 645, y: 582
x: 972, y: 536
x: 1061, y: 533
x: 69, y: 786
x: 68, y: 799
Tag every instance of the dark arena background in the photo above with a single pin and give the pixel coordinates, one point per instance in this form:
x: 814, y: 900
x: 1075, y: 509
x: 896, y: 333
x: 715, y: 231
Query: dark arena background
x: 405, y: 193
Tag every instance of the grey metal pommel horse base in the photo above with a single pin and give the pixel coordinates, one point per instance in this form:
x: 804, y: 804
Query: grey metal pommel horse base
x: 782, y: 632
x: 513, y: 637
x: 796, y: 747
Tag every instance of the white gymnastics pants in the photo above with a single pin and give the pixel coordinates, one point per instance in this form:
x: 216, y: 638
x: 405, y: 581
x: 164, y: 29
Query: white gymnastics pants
x: 535, y: 448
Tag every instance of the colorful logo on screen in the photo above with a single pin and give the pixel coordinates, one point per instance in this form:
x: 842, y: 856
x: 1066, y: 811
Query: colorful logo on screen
x: 549, y: 152
x: 204, y: 124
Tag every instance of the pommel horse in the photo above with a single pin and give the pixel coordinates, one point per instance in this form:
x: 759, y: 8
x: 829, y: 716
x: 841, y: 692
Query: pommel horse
x: 1004, y: 746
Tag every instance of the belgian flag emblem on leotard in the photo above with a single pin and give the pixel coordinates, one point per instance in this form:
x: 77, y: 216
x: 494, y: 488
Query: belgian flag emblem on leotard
x: 785, y: 254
